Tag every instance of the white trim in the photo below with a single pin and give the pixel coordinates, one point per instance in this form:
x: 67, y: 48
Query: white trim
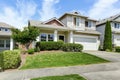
x: 11, y: 44
x: 55, y: 35
x: 71, y: 36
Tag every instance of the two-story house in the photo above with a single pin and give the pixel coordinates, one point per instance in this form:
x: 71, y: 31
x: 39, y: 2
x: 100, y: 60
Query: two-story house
x: 115, y: 26
x: 6, y: 42
x: 71, y: 28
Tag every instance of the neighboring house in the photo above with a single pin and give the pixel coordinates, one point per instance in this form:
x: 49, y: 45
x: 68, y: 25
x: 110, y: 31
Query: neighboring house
x: 71, y: 28
x: 115, y: 26
x: 6, y: 42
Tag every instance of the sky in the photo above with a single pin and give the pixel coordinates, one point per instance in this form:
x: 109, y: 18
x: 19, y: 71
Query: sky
x: 18, y: 12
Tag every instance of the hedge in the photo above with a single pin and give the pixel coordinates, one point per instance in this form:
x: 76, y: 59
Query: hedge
x: 117, y: 49
x: 72, y: 47
x: 10, y: 59
x: 49, y: 45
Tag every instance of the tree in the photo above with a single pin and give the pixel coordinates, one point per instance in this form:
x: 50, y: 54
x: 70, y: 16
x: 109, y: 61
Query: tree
x: 108, y: 37
x: 27, y: 36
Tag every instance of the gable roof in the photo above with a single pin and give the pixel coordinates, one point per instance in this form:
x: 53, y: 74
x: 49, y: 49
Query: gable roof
x: 5, y: 25
x: 76, y: 14
x: 52, y: 19
x: 34, y: 22
x: 112, y: 18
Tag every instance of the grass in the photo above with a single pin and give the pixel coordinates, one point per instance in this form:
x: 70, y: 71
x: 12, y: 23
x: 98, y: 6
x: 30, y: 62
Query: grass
x: 56, y: 59
x: 66, y: 77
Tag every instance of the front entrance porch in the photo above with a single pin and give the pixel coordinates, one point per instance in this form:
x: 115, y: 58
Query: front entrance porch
x: 56, y: 35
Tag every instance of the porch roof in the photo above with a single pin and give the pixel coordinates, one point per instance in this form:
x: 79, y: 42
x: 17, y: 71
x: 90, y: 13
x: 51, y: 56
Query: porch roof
x: 5, y: 33
x: 90, y: 32
x: 61, y: 28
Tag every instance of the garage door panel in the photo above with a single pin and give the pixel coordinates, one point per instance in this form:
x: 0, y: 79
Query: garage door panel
x: 88, y: 43
x: 82, y: 39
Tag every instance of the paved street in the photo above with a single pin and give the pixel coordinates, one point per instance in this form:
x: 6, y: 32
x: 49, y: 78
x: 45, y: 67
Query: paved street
x: 104, y: 71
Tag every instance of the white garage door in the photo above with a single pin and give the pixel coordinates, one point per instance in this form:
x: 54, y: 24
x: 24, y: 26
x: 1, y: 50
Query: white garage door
x: 88, y: 43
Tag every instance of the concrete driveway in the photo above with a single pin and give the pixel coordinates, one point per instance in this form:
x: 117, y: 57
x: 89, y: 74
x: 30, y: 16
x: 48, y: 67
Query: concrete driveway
x: 112, y: 74
x: 105, y: 71
x: 111, y: 56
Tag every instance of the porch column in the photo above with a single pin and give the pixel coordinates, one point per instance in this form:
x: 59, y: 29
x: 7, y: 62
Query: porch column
x: 71, y: 36
x: 55, y: 35
x: 11, y: 44
x: 38, y: 39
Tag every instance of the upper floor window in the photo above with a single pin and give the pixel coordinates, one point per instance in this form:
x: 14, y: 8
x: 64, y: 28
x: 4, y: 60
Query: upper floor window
x: 77, y: 21
x: 4, y: 29
x: 88, y: 23
x: 117, y: 25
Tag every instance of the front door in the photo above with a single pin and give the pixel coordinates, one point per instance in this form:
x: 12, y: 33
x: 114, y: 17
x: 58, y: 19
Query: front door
x: 61, y: 37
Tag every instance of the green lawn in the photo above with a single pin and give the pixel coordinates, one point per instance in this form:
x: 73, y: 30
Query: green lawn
x: 66, y: 77
x: 56, y: 59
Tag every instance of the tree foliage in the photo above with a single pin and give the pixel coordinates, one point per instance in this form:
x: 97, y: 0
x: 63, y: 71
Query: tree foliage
x: 27, y: 36
x: 108, y: 37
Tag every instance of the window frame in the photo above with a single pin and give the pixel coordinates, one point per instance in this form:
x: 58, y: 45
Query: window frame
x: 47, y: 36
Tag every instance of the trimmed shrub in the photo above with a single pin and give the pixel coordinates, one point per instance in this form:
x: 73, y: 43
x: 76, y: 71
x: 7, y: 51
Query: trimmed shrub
x: 30, y: 51
x: 37, y: 49
x: 10, y: 59
x: 1, y: 61
x: 49, y: 45
x: 117, y: 49
x: 72, y: 47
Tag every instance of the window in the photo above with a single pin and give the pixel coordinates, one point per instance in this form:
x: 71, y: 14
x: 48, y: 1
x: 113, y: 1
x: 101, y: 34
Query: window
x: 47, y: 37
x: 61, y: 37
x: 86, y: 23
x: 117, y: 25
x: 77, y: 21
x: 6, y: 29
x: 1, y: 43
x: 89, y: 23
x: 43, y: 37
x: 7, y: 43
x: 50, y: 37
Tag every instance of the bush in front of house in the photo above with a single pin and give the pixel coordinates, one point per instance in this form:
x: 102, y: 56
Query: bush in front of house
x: 49, y: 45
x: 72, y: 47
x: 30, y: 51
x: 1, y: 61
x: 117, y: 49
x: 10, y: 59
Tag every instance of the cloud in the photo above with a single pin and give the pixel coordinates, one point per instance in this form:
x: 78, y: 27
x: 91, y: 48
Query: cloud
x: 48, y: 9
x: 104, y: 8
x: 19, y: 14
